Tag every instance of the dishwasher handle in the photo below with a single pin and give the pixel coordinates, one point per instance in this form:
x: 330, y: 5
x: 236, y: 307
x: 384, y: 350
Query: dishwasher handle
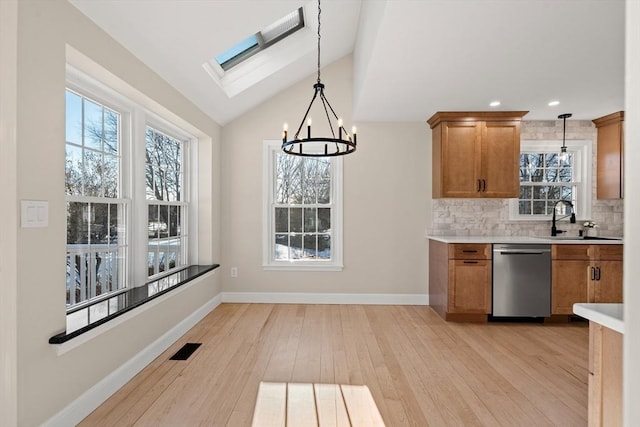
x: 522, y: 251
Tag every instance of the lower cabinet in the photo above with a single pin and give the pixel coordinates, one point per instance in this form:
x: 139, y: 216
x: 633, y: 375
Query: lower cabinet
x: 585, y: 273
x: 460, y: 280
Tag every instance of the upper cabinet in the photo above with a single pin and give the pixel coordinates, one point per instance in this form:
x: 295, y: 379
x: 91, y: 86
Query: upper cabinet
x: 476, y: 154
x: 610, y: 155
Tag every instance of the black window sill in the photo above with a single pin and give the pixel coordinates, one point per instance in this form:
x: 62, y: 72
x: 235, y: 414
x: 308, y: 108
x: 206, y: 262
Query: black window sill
x: 126, y: 301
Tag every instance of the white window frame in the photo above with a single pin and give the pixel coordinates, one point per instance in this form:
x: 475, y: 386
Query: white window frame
x: 270, y: 149
x: 134, y: 120
x: 582, y: 152
x: 184, y: 204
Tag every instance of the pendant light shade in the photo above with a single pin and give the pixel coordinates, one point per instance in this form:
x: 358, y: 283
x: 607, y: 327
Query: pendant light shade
x: 564, y: 156
x: 303, y: 143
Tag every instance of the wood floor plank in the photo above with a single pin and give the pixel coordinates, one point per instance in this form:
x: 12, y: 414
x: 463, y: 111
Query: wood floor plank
x: 271, y: 405
x: 420, y: 370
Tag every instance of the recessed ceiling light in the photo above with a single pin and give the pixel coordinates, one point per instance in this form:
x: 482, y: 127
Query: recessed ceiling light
x: 553, y: 103
x: 494, y: 103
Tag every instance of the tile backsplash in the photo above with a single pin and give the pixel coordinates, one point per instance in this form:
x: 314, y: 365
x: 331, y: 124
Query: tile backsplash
x: 483, y: 217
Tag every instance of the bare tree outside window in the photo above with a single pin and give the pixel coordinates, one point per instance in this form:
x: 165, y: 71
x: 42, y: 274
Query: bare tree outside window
x: 166, y: 207
x: 302, y: 209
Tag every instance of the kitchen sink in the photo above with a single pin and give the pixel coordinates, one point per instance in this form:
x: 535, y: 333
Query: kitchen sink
x: 578, y: 238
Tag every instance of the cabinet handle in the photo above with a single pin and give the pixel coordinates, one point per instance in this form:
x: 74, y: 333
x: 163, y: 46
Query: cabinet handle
x: 479, y: 185
x: 593, y: 273
x: 597, y: 273
x: 470, y: 262
x: 469, y: 251
x: 484, y: 185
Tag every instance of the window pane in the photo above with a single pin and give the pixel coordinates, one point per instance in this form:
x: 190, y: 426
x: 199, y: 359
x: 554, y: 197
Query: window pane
x: 282, y: 247
x: 110, y: 176
x: 93, y: 130
x: 73, y: 170
x: 163, y: 168
x: 324, y: 220
x: 566, y: 175
x: 99, y: 224
x: 539, y: 208
x: 73, y: 125
x: 92, y: 173
x: 174, y: 220
x: 524, y: 208
x: 310, y: 247
x: 295, y: 220
x: 163, y: 226
x: 540, y: 192
x: 77, y: 223
x: 324, y: 246
x: 282, y: 220
x: 288, y: 179
x: 525, y: 191
x: 324, y: 191
x: 551, y: 159
x: 296, y: 246
x: 111, y: 131
x: 154, y: 222
x: 310, y: 220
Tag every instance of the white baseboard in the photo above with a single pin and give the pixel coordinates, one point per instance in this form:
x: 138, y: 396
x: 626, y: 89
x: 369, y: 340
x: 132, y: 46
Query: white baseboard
x: 77, y: 410
x: 320, y: 298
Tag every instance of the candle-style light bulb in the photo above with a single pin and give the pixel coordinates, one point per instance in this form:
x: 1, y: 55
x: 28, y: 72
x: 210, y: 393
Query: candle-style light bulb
x: 309, y: 128
x: 353, y: 131
x: 339, y: 128
x: 285, y: 128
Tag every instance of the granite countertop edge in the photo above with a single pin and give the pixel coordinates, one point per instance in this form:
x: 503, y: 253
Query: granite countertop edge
x: 525, y: 239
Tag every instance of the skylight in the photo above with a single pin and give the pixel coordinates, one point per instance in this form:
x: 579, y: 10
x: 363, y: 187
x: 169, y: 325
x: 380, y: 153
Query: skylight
x: 261, y: 40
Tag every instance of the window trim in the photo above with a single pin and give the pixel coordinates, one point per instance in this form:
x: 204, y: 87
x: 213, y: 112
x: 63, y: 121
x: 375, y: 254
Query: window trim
x: 583, y: 154
x: 270, y: 148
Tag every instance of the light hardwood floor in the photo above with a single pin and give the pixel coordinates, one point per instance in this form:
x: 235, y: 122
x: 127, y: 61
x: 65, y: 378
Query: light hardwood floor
x: 421, y: 370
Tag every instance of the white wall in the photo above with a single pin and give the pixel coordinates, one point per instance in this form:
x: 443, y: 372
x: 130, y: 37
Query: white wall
x: 631, y: 366
x: 46, y: 382
x: 386, y: 198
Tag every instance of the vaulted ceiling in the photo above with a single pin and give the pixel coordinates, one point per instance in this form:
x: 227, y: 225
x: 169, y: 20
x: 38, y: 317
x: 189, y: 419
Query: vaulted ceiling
x: 411, y: 57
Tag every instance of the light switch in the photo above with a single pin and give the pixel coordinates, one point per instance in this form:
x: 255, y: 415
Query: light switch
x: 34, y: 213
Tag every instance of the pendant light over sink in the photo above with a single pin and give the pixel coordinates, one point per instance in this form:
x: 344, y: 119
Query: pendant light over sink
x: 328, y: 146
x: 564, y: 156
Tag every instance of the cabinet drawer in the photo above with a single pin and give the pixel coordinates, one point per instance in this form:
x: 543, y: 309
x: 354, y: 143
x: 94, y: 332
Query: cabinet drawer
x: 587, y: 252
x: 576, y: 252
x: 469, y: 251
x: 609, y: 252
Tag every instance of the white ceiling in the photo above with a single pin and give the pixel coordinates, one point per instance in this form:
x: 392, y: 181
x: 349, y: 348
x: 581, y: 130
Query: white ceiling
x: 412, y: 57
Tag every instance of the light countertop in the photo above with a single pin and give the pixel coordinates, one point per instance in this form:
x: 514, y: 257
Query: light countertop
x: 608, y: 315
x: 560, y: 240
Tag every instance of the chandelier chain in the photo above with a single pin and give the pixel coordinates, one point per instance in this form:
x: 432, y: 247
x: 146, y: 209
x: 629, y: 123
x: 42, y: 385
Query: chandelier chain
x: 319, y: 12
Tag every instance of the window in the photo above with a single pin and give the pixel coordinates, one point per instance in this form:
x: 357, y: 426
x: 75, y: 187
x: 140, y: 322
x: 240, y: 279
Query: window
x: 165, y: 201
x: 261, y: 40
x: 96, y: 210
x: 545, y: 179
x: 303, y: 211
x: 127, y: 184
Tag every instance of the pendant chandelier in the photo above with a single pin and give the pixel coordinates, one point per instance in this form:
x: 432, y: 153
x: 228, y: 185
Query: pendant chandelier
x: 564, y: 156
x: 329, y: 146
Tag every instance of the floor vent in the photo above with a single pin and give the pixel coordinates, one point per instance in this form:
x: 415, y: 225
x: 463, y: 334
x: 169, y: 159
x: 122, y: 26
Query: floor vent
x: 186, y: 351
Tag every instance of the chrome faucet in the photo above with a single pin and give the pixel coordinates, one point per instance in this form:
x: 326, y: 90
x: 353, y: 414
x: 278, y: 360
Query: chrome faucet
x: 572, y: 220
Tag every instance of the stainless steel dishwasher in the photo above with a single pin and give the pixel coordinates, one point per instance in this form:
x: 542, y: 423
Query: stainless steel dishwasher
x: 521, y: 280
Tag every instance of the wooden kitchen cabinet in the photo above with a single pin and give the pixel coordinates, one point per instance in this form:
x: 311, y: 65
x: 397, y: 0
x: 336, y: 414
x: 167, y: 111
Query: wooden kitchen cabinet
x: 610, y: 154
x: 585, y: 273
x: 476, y: 154
x: 460, y: 280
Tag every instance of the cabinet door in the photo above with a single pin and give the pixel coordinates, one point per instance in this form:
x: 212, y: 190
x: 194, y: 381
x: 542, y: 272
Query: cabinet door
x: 460, y: 159
x: 609, y: 153
x: 569, y: 280
x: 470, y: 286
x: 500, y: 159
x: 607, y: 286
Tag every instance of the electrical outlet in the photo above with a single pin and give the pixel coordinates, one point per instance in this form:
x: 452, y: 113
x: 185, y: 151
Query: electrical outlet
x: 234, y: 271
